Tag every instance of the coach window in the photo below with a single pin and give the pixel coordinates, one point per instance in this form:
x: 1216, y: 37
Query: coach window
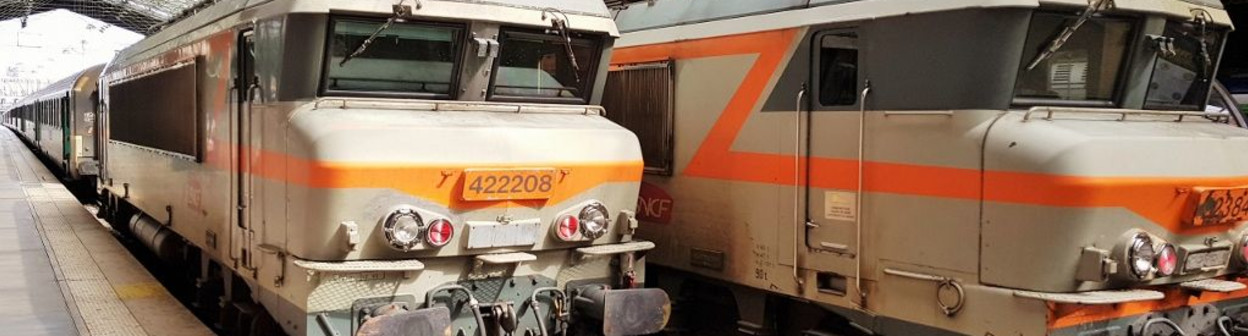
x: 837, y: 79
x: 640, y: 97
x: 536, y: 66
x: 405, y: 58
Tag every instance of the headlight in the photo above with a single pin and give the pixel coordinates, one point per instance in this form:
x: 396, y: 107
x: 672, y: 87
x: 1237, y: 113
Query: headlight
x: 1167, y: 260
x: 1140, y: 255
x: 594, y: 220
x: 404, y: 229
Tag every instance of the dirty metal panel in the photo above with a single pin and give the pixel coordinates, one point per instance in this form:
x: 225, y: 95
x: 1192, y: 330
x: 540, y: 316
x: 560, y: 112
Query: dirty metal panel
x: 636, y: 246
x: 635, y: 312
x: 1094, y: 298
x: 362, y: 265
x: 495, y: 234
x: 712, y: 260
x: 429, y: 321
x: 1213, y: 285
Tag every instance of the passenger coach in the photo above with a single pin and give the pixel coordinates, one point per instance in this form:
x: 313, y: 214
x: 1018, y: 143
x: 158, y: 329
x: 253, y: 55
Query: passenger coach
x: 58, y: 121
x: 958, y: 167
x: 382, y: 167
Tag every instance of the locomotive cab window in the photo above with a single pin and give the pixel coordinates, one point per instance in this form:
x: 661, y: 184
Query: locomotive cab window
x: 1184, y: 72
x: 1084, y: 69
x: 837, y: 77
x: 403, y: 58
x: 535, y: 66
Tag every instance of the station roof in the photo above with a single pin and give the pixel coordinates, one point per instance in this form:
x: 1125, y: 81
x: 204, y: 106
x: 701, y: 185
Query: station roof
x: 135, y: 15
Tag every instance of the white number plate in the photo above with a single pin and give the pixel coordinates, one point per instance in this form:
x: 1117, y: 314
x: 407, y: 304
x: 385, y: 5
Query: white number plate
x: 495, y: 234
x: 1206, y: 259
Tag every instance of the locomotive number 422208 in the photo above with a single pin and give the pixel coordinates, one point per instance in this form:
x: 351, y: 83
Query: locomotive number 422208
x: 508, y: 184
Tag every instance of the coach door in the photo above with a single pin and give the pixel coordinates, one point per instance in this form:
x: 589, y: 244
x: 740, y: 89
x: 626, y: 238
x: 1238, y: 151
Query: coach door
x: 245, y: 87
x: 40, y: 113
x: 832, y: 132
x: 65, y: 131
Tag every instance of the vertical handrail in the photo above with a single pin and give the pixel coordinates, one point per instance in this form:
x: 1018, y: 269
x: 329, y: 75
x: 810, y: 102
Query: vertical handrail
x: 797, y: 188
x: 862, y: 135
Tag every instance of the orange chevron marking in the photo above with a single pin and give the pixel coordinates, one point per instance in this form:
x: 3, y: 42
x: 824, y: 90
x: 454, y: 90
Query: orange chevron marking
x: 1160, y: 199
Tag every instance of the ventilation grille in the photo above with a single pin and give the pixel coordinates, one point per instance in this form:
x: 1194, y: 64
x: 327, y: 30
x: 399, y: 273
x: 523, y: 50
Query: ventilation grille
x: 640, y: 99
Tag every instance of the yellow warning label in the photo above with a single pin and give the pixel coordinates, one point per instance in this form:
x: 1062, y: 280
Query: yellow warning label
x: 138, y: 290
x: 840, y: 205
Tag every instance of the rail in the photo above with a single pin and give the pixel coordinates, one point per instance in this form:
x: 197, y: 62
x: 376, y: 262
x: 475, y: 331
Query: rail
x: 457, y: 106
x: 1122, y: 113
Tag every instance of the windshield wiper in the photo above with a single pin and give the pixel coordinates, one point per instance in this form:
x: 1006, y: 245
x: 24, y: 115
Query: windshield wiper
x: 561, y: 26
x: 1203, y: 21
x: 400, y: 11
x: 1094, y: 6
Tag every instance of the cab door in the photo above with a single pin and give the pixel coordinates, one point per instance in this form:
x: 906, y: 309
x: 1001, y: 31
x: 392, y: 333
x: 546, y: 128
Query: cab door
x: 245, y: 85
x: 833, y: 150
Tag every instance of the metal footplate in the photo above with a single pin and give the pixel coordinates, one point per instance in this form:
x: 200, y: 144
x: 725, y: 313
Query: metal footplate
x: 506, y: 258
x: 1094, y: 298
x: 407, y: 265
x: 636, y: 246
x: 1213, y: 285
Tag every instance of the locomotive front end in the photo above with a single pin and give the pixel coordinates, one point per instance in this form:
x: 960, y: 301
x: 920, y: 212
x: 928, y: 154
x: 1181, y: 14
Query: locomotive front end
x: 456, y: 176
x: 982, y: 167
x: 1127, y: 199
x: 499, y: 220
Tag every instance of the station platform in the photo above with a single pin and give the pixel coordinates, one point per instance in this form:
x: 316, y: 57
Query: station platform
x: 62, y: 272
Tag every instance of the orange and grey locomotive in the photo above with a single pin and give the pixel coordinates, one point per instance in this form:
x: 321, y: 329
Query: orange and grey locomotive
x: 382, y: 167
x: 956, y: 167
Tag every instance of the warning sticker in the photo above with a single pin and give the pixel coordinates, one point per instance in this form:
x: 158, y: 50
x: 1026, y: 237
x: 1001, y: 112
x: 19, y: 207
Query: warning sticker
x: 840, y: 205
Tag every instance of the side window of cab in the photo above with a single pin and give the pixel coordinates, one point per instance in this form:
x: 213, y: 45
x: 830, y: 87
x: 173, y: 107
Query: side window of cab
x: 837, y: 69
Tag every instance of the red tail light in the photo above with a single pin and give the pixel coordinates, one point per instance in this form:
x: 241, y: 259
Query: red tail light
x: 1167, y: 260
x: 567, y: 227
x: 440, y: 233
x: 1243, y: 249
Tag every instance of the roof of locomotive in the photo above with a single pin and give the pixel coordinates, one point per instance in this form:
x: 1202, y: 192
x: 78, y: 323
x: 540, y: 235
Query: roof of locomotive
x: 585, y: 15
x: 583, y: 7
x: 91, y: 73
x: 648, y: 20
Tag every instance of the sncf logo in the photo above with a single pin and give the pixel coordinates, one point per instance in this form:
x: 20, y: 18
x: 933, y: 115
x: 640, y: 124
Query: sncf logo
x: 654, y: 204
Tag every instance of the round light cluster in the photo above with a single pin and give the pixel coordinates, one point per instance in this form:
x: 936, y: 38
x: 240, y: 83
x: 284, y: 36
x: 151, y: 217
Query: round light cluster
x: 440, y: 233
x: 1140, y: 255
x: 1147, y: 258
x: 589, y: 224
x: 567, y: 227
x: 1167, y: 260
x: 405, y: 230
x: 594, y: 220
x: 1243, y: 249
